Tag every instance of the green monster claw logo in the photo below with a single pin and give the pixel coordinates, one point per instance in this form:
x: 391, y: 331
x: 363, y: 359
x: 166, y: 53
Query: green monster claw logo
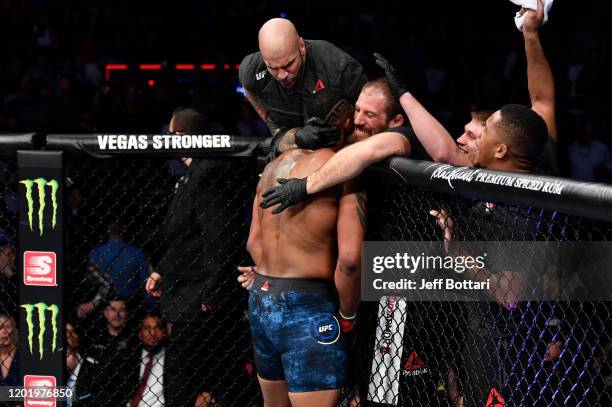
x: 41, y: 183
x: 41, y: 307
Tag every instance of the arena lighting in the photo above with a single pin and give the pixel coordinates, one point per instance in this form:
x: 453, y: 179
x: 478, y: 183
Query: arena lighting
x: 158, y: 67
x: 111, y: 67
x: 149, y: 67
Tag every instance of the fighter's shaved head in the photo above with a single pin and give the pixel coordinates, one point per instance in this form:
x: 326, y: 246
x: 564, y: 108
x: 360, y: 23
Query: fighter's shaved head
x: 277, y: 37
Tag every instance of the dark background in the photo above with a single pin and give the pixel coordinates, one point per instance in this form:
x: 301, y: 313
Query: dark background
x: 52, y: 79
x: 54, y: 53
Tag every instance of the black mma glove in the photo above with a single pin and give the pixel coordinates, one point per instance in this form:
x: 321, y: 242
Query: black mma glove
x: 289, y: 192
x: 398, y: 87
x: 316, y: 134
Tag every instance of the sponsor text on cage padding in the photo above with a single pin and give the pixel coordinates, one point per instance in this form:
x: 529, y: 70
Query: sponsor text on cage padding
x: 119, y: 142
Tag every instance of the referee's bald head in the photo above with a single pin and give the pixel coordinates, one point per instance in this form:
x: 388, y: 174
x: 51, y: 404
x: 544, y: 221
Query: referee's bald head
x: 282, y: 50
x: 277, y: 36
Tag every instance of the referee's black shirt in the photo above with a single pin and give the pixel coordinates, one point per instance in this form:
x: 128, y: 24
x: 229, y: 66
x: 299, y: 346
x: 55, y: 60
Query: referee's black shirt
x: 325, y: 65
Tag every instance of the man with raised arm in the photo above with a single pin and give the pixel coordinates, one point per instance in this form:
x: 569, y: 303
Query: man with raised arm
x: 438, y: 142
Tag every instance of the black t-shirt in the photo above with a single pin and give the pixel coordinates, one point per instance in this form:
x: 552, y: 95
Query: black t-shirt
x: 546, y: 163
x: 325, y: 66
x: 197, y: 242
x: 417, y: 151
x: 519, y: 333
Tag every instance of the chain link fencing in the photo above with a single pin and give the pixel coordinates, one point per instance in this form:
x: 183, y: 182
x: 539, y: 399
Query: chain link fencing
x: 126, y: 218
x: 447, y: 353
x: 9, y: 283
x: 129, y: 218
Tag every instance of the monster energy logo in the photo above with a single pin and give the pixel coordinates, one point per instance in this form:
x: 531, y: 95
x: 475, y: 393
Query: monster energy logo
x: 41, y: 183
x: 41, y: 307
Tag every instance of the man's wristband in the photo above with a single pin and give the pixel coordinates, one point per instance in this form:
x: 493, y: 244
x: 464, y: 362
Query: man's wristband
x: 347, y: 318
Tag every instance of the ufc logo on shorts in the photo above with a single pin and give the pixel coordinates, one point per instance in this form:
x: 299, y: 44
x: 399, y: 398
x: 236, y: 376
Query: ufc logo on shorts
x: 325, y: 328
x: 39, y: 268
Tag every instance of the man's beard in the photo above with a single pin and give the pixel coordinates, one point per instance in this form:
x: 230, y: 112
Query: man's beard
x: 355, y: 137
x: 154, y: 349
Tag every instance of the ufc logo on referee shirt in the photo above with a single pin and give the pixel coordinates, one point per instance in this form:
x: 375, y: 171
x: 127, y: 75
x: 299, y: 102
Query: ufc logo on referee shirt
x: 40, y: 268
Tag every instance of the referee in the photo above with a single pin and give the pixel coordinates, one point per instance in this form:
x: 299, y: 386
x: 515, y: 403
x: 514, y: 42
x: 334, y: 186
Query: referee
x: 285, y: 73
x: 188, y: 275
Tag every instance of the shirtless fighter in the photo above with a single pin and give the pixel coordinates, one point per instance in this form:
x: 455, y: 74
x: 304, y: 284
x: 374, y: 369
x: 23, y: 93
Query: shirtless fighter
x: 296, y: 315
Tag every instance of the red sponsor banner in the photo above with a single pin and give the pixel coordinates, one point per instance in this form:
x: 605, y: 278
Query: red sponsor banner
x: 32, y: 381
x: 40, y: 268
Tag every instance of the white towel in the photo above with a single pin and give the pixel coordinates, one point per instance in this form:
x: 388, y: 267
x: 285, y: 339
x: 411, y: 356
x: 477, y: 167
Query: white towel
x: 533, y: 5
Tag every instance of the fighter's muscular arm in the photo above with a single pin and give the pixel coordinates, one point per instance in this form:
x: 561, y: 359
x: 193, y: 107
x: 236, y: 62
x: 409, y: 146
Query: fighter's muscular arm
x: 253, y: 245
x: 505, y: 286
x: 540, y: 79
x: 437, y: 141
x: 347, y: 164
x: 351, y: 228
x: 352, y: 160
x: 254, y: 241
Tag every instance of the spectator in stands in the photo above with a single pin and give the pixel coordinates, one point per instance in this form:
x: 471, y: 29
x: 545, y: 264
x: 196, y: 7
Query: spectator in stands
x: 115, y: 335
x: 204, y: 399
x: 9, y: 282
x: 84, y: 379
x: 590, y: 159
x: 602, y: 363
x: 8, y: 194
x: 9, y: 355
x: 124, y: 263
x: 99, y: 281
x: 144, y: 375
x: 7, y: 258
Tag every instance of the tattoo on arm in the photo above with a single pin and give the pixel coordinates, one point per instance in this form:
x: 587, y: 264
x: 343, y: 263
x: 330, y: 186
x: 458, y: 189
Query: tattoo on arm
x: 288, y: 140
x: 361, y: 208
x: 263, y: 113
x: 274, y: 128
x: 259, y: 108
